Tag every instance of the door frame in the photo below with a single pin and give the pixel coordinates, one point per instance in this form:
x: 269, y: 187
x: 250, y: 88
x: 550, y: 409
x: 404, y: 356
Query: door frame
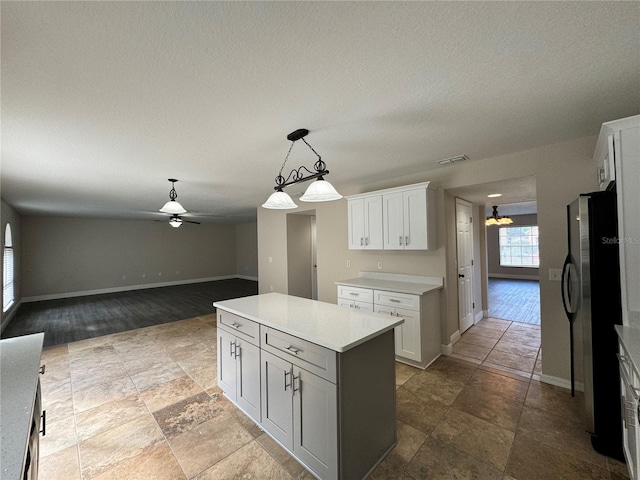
x: 469, y: 320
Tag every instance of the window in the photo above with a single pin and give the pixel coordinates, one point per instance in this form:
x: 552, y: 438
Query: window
x: 7, y: 270
x: 519, y: 247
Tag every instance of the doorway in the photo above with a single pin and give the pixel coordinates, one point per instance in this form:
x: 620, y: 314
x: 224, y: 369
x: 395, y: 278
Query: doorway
x: 302, y: 271
x: 464, y: 262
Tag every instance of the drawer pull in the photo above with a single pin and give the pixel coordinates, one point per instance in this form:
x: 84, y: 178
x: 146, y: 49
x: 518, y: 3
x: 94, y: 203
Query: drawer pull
x: 354, y: 294
x: 394, y: 300
x: 293, y: 350
x: 406, y: 240
x: 235, y: 325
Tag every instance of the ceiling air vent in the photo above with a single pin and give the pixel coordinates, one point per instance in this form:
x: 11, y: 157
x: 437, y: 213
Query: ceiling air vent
x: 459, y: 158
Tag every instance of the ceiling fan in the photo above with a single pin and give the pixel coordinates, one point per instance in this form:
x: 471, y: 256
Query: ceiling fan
x: 174, y: 208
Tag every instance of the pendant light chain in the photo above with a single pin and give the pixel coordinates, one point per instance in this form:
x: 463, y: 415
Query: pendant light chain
x: 284, y: 163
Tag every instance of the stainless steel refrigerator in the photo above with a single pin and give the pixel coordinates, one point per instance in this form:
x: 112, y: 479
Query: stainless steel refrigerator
x: 591, y: 297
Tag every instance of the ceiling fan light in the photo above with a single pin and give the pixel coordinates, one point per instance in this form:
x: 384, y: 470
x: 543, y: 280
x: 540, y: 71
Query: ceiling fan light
x: 175, y: 222
x: 320, y: 191
x: 173, y: 207
x: 279, y: 200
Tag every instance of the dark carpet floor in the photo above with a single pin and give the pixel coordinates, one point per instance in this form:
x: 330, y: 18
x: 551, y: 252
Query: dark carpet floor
x: 72, y: 319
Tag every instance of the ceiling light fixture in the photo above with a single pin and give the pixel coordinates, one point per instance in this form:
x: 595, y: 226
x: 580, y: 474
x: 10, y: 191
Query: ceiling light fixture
x: 318, y: 191
x: 496, y: 219
x: 459, y: 158
x: 175, y: 221
x: 494, y: 195
x: 172, y: 206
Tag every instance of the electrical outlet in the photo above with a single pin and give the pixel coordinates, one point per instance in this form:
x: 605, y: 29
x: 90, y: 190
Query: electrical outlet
x: 144, y: 275
x: 348, y: 263
x: 379, y: 265
x: 271, y: 261
x: 555, y: 274
x: 159, y: 274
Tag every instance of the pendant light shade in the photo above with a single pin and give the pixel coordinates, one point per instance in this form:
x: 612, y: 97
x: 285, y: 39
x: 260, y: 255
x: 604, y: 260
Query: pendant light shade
x: 175, y: 222
x: 173, y: 207
x: 279, y: 201
x: 320, y: 191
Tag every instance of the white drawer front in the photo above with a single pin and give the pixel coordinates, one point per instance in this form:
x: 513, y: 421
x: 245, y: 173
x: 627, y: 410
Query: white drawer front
x: 399, y: 300
x: 307, y: 355
x: 243, y: 327
x: 354, y: 293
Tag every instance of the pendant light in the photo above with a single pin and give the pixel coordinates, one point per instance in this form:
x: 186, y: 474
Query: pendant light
x: 172, y: 206
x: 496, y: 219
x: 319, y: 191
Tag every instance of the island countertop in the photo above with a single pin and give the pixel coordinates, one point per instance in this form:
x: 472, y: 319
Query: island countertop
x: 20, y: 367
x: 324, y: 324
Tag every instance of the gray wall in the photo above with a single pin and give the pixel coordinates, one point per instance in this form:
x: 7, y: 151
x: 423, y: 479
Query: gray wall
x: 72, y: 255
x: 299, y: 255
x: 562, y: 171
x: 247, y: 250
x: 493, y: 251
x: 9, y: 215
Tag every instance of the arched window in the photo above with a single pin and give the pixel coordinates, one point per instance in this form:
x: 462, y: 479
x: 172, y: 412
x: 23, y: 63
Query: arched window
x: 7, y: 270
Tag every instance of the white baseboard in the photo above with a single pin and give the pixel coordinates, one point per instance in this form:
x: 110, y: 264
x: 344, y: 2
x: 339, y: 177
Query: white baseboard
x: 448, y: 349
x: 561, y: 382
x: 127, y: 288
x: 514, y: 277
x: 485, y: 313
x: 479, y: 316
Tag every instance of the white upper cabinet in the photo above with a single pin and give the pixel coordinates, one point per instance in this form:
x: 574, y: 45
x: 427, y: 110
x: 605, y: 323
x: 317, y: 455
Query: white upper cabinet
x: 626, y: 152
x: 365, y: 223
x: 402, y: 218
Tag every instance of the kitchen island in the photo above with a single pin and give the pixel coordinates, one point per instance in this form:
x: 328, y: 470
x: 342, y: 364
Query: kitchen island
x: 318, y: 378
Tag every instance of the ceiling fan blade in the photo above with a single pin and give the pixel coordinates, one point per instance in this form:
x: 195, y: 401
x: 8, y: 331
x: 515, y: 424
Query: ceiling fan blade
x: 189, y: 221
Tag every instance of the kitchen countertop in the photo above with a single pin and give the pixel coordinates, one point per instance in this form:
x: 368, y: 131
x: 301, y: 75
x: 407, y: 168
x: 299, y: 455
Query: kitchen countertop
x: 325, y: 324
x: 19, y: 370
x: 630, y: 339
x: 399, y: 283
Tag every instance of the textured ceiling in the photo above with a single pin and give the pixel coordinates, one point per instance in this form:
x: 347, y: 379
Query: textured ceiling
x: 103, y: 101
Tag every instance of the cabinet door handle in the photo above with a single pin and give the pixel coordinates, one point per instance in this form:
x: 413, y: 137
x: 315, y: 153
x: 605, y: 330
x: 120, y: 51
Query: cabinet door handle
x: 293, y: 350
x: 44, y: 423
x: 361, y: 241
x: 42, y: 369
x: 366, y: 240
x: 400, y: 239
x: 406, y: 240
x: 285, y: 380
x: 293, y: 384
x: 236, y: 351
x: 232, y: 348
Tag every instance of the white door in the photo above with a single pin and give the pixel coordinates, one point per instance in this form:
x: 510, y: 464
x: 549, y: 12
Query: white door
x: 392, y: 221
x: 277, y: 408
x: 465, y: 263
x: 227, y: 371
x: 248, y: 365
x: 415, y: 219
x: 315, y: 413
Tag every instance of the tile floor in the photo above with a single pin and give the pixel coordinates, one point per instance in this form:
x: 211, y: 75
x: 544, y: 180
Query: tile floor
x: 144, y: 404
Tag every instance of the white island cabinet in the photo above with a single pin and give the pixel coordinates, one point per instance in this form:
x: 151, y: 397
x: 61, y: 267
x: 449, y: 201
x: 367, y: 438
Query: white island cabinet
x: 326, y: 379
x: 629, y: 357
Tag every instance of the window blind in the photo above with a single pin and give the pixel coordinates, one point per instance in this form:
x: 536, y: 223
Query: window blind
x: 7, y: 278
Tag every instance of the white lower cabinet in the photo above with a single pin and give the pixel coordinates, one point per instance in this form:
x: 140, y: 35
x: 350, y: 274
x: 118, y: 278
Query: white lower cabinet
x: 299, y: 409
x: 630, y: 403
x: 239, y: 371
x: 417, y: 340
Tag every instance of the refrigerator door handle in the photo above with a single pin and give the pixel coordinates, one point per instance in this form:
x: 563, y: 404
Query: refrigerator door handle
x: 565, y: 284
